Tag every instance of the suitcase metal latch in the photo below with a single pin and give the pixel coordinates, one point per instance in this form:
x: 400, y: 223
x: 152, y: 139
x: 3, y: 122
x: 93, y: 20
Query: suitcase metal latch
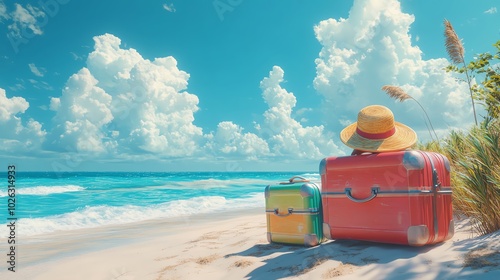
x: 277, y: 213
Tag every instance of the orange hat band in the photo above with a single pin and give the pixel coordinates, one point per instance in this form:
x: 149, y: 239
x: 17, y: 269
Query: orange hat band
x: 375, y: 136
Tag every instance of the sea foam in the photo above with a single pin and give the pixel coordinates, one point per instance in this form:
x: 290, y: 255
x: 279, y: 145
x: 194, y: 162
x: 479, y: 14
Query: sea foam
x: 96, y: 216
x: 45, y: 190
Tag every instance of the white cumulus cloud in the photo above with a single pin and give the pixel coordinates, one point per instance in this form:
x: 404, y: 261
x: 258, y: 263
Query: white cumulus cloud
x: 3, y: 11
x: 37, y: 71
x: 229, y: 140
x: 82, y: 112
x: 169, y: 7
x: 492, y: 10
x: 372, y: 48
x: 286, y: 136
x: 16, y: 137
x: 9, y: 107
x: 122, y: 103
x: 55, y: 103
x: 278, y: 136
x: 25, y: 21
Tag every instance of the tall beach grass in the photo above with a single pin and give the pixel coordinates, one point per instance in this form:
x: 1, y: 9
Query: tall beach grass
x: 475, y: 162
x: 474, y: 156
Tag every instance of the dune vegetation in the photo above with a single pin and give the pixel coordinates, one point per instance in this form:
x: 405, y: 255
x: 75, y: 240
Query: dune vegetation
x: 474, y: 152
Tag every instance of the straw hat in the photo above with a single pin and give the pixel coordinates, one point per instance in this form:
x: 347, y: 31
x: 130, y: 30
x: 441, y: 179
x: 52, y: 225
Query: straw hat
x: 376, y: 131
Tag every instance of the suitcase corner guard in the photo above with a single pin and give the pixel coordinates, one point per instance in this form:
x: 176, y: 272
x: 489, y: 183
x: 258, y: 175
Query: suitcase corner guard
x: 418, y: 235
x: 311, y: 240
x: 327, y: 231
x: 413, y: 160
x: 307, y: 190
x: 322, y: 167
x: 451, y: 230
x: 267, y: 191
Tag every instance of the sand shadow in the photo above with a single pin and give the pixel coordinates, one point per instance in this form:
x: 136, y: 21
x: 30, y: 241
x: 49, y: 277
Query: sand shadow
x: 298, y: 260
x: 480, y: 254
x: 260, y: 250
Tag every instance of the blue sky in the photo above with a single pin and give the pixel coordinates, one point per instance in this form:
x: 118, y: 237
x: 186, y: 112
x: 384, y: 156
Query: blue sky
x: 227, y: 85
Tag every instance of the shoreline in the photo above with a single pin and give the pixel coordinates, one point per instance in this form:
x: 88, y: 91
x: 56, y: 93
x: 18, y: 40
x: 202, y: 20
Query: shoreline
x: 40, y: 248
x: 233, y: 245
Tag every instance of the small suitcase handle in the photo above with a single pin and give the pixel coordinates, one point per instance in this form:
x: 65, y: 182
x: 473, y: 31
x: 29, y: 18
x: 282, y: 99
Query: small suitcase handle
x: 375, y: 191
x: 295, y: 179
x: 277, y: 213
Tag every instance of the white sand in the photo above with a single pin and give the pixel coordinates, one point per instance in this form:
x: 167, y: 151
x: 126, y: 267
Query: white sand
x: 234, y: 246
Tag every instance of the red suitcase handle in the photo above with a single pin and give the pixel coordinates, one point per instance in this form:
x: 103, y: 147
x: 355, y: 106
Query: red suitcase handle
x: 375, y: 191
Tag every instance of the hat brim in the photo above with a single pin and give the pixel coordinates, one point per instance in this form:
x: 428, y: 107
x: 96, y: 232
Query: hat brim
x: 404, y: 137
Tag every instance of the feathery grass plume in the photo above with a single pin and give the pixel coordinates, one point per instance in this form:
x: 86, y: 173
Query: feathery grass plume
x: 453, y: 44
x: 400, y: 95
x: 455, y: 51
x: 396, y: 93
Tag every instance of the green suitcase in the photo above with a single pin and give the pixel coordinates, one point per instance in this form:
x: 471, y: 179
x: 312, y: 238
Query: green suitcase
x: 294, y: 212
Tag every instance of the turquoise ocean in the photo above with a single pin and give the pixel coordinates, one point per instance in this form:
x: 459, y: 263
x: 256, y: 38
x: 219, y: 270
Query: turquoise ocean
x: 48, y: 202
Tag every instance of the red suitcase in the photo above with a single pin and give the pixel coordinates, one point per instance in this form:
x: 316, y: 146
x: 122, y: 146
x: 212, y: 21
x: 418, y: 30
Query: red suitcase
x: 401, y: 197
